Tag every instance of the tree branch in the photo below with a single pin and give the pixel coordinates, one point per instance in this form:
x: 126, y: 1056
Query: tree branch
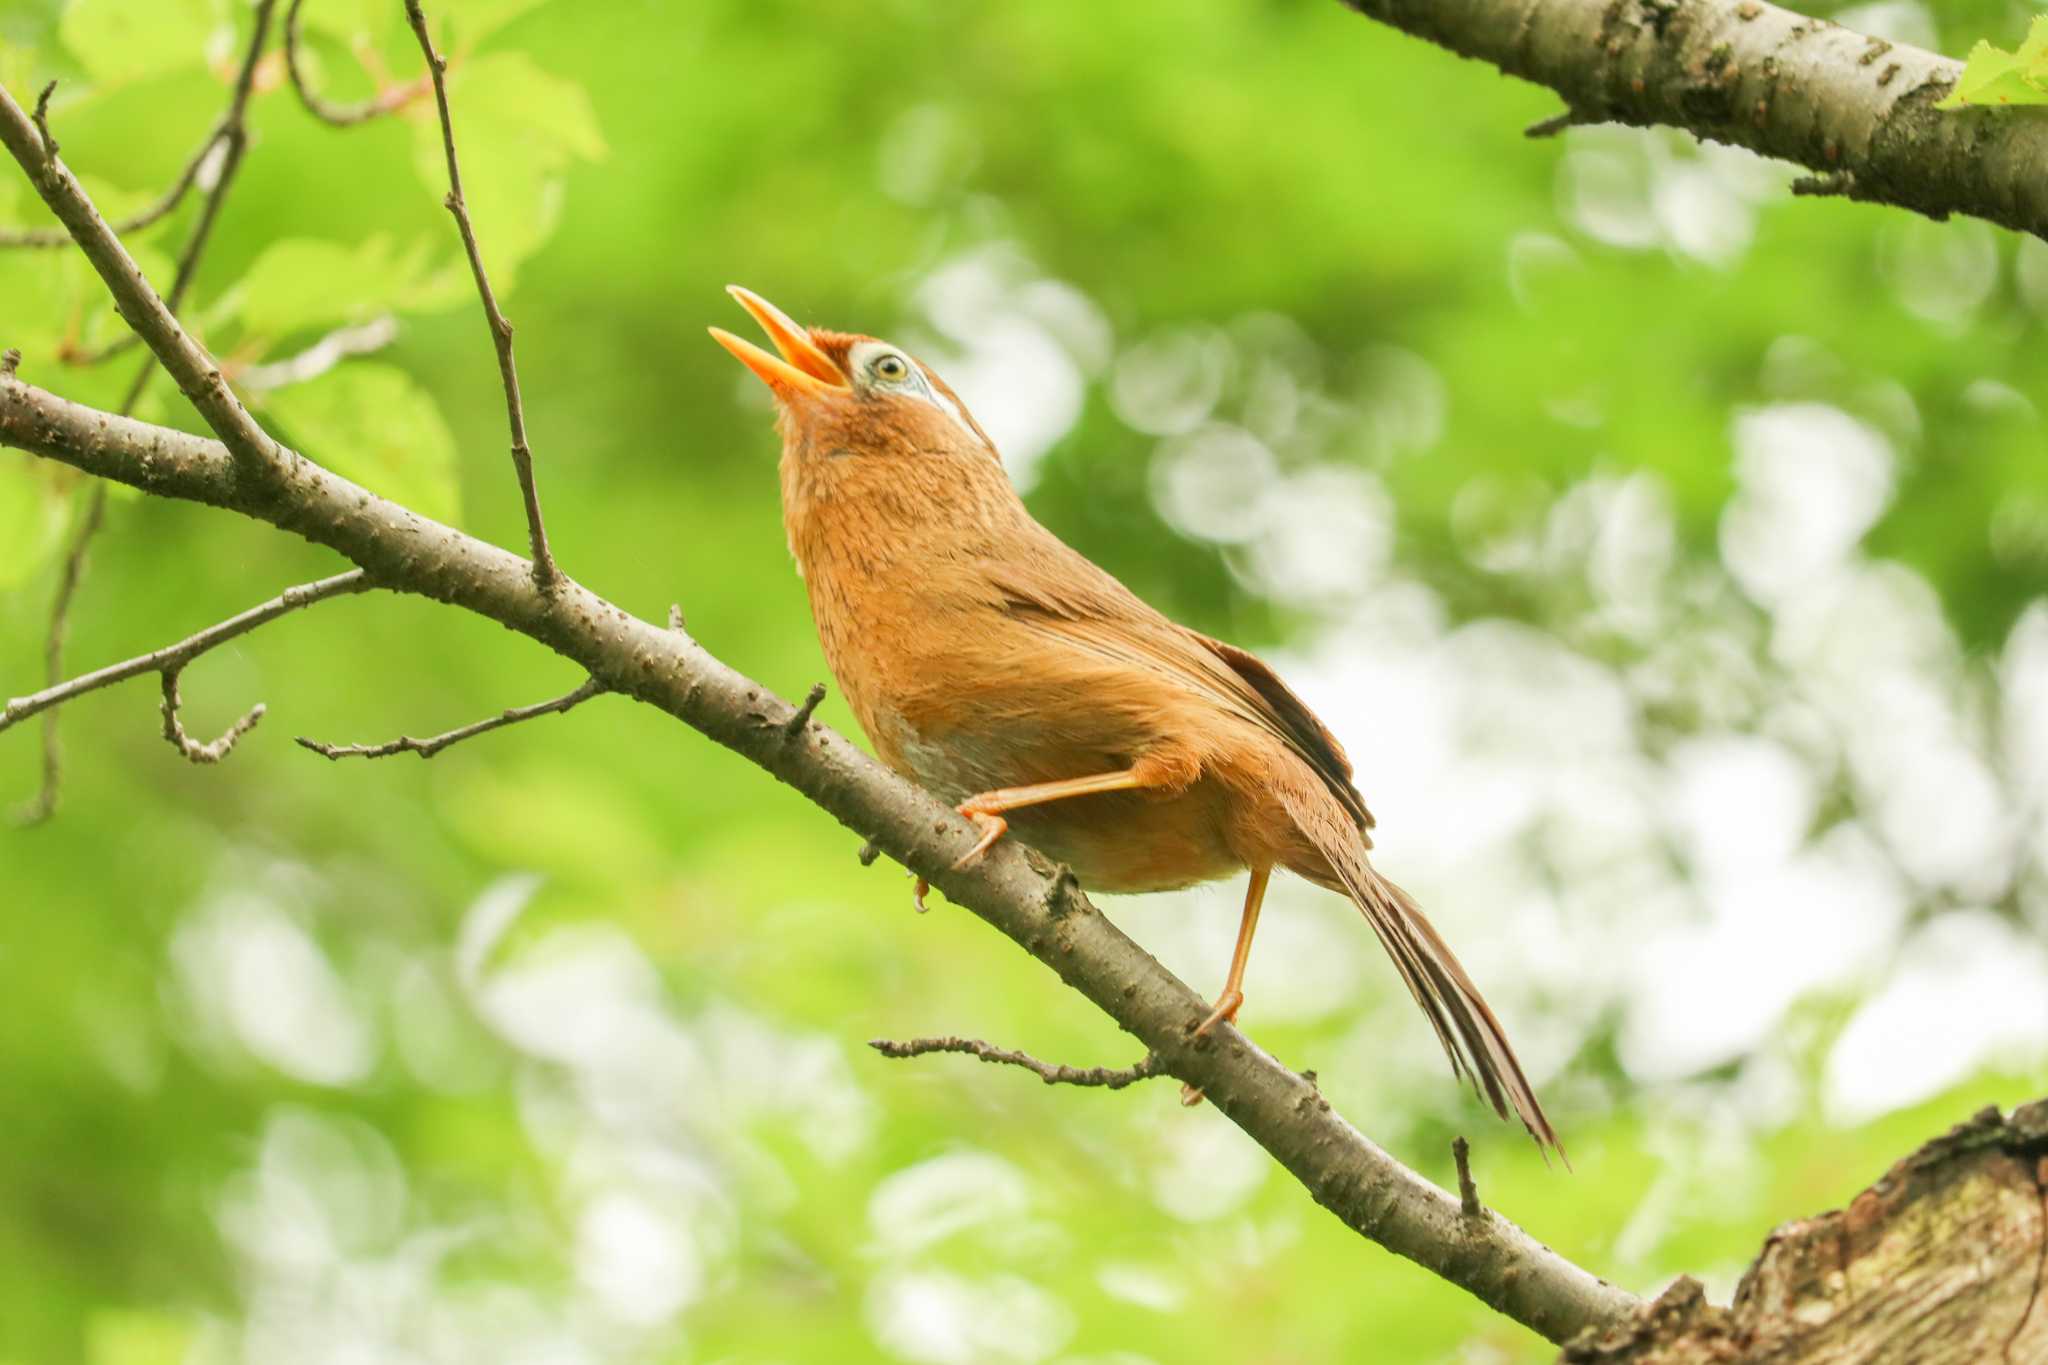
x: 1468, y: 1192
x: 338, y: 115
x: 173, y: 657
x: 1754, y: 75
x: 544, y: 571
x: 1012, y: 887
x: 427, y: 748
x: 174, y: 729
x: 44, y: 804
x: 1107, y: 1078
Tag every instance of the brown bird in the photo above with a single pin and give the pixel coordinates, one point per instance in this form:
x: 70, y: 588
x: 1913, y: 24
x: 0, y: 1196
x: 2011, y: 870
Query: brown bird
x: 1000, y: 669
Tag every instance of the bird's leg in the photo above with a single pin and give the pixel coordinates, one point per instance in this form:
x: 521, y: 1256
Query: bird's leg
x: 1228, y: 1003
x: 1232, y: 999
x: 984, y: 809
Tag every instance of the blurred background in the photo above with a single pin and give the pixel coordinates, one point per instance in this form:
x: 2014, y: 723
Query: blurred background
x: 1671, y: 555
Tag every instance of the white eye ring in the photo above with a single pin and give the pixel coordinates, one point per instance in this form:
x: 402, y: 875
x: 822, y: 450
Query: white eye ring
x: 890, y: 366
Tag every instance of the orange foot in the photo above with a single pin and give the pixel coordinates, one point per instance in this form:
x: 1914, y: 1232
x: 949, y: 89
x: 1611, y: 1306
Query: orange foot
x: 1225, y: 1012
x: 992, y: 828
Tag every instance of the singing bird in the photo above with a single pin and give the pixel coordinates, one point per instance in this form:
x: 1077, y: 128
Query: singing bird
x: 1000, y: 669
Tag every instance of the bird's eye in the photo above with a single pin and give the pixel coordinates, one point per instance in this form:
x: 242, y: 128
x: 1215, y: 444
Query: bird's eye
x: 891, y: 367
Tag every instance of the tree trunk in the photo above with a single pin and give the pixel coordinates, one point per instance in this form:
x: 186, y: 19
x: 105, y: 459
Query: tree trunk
x: 1939, y: 1262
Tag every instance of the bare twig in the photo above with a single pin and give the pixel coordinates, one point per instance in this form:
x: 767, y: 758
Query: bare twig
x: 1108, y: 1078
x: 339, y: 115
x: 234, y: 140
x: 176, y: 656
x: 42, y: 118
x: 1555, y: 124
x: 134, y: 222
x: 44, y: 804
x: 794, y: 726
x: 427, y: 748
x: 545, y: 574
x: 1468, y: 1192
x: 675, y: 617
x: 174, y: 729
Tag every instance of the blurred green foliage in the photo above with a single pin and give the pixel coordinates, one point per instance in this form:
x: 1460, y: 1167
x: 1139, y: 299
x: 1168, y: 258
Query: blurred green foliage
x: 173, y: 1190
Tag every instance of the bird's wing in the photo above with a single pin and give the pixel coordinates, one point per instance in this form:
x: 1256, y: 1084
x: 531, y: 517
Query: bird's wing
x: 1064, y: 594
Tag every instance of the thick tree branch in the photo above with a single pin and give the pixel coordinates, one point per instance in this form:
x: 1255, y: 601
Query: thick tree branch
x: 1052, y: 1073
x: 1938, y: 1263
x: 427, y: 748
x: 544, y: 570
x: 1749, y: 73
x: 1011, y: 887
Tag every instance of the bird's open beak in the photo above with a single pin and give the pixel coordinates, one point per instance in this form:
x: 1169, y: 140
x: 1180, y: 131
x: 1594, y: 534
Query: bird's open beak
x: 802, y: 368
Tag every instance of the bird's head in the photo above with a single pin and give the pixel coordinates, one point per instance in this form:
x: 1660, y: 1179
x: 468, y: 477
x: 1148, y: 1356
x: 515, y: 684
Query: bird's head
x: 840, y: 392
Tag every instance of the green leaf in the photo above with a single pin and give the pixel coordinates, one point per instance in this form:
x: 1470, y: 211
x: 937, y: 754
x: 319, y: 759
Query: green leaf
x: 370, y: 422
x: 32, y: 517
x: 1993, y: 76
x: 517, y: 128
x: 121, y: 40
x: 303, y: 282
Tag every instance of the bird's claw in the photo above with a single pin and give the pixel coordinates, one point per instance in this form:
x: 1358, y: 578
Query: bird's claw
x: 1225, y: 1012
x: 992, y: 828
x: 917, y: 895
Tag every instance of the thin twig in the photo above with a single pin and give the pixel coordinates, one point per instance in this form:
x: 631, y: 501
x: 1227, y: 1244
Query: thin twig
x: 545, y: 573
x: 1468, y: 1192
x: 794, y: 726
x: 44, y: 803
x: 1555, y: 124
x: 427, y: 748
x: 1108, y: 1078
x: 134, y: 222
x: 339, y: 115
x: 176, y: 656
x: 234, y: 140
x: 174, y: 729
x: 675, y: 617
x: 42, y: 122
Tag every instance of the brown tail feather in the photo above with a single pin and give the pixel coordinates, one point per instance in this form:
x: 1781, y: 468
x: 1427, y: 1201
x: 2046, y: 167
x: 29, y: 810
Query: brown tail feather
x: 1471, y: 1035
